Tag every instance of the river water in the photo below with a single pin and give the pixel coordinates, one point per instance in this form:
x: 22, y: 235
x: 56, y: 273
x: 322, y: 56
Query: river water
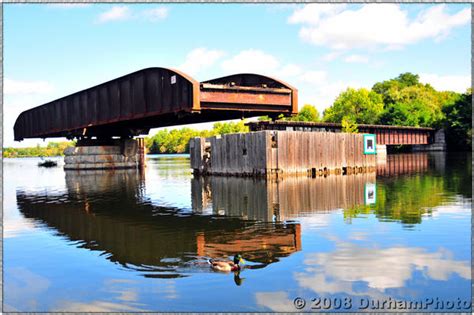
x: 125, y: 241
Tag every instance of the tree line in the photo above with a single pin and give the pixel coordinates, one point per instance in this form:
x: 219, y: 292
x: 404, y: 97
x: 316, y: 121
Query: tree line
x: 402, y: 101
x: 51, y: 149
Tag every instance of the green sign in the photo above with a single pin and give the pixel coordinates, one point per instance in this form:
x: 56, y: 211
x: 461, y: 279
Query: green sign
x: 369, y: 144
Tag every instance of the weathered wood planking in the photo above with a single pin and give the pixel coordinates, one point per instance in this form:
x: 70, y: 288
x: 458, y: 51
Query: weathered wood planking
x: 268, y: 153
x: 286, y: 198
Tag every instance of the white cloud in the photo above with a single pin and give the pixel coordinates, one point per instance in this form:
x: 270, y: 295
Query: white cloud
x: 356, y: 59
x: 116, y: 13
x: 156, y: 14
x: 15, y: 227
x: 461, y: 209
x: 16, y: 103
x: 199, y: 59
x: 315, y: 221
x: 95, y: 306
x: 253, y: 61
x: 69, y: 5
x: 323, y: 95
x: 122, y: 13
x: 314, y: 85
x: 289, y: 70
x: 276, y: 301
x: 370, y: 265
x: 260, y: 62
x: 27, y: 87
x: 374, y: 25
x: 24, y: 287
x: 314, y: 77
x: 457, y: 83
x: 331, y: 56
x: 312, y: 14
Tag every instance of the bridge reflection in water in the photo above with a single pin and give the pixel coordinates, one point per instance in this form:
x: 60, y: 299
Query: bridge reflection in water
x: 109, y: 211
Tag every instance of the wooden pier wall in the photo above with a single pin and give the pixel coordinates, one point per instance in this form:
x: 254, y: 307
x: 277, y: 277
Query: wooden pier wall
x: 278, y: 153
x: 286, y: 199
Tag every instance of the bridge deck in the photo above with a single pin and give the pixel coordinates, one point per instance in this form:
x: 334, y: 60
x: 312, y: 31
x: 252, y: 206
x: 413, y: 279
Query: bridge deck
x: 155, y: 97
x: 385, y: 135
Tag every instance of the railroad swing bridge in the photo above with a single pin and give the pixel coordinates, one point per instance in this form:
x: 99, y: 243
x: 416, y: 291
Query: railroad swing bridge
x: 150, y: 98
x: 155, y: 97
x: 106, y: 117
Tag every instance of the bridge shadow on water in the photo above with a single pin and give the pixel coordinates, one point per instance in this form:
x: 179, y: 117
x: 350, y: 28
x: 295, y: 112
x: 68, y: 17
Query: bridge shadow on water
x: 109, y: 211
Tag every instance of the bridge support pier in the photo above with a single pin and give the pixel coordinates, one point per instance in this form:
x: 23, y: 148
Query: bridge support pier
x: 381, y: 153
x: 93, y: 154
x: 439, y: 143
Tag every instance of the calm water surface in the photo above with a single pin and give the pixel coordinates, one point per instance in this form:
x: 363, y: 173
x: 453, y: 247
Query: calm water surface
x: 125, y: 241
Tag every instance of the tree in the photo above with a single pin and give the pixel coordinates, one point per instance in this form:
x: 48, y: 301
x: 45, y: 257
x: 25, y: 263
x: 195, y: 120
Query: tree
x: 408, y: 79
x: 177, y: 140
x: 458, y: 123
x: 390, y: 89
x: 264, y: 118
x: 230, y: 127
x: 359, y: 106
x: 307, y: 113
x: 349, y: 126
x: 51, y: 149
x: 411, y: 103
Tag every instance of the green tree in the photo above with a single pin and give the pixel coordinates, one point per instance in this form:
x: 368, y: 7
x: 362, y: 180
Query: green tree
x: 307, y: 113
x: 51, y: 149
x: 230, y: 127
x: 349, y: 126
x: 390, y: 89
x: 359, y: 106
x: 458, y: 122
x: 177, y: 140
x: 264, y: 118
x: 411, y: 103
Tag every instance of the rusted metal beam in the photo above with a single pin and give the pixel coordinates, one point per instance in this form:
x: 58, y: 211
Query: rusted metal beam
x: 239, y: 98
x: 155, y: 97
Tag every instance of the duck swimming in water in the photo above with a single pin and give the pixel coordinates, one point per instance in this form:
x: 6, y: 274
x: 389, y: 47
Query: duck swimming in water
x: 227, y: 266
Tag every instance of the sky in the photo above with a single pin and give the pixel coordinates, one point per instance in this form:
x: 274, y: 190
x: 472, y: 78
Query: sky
x: 52, y: 50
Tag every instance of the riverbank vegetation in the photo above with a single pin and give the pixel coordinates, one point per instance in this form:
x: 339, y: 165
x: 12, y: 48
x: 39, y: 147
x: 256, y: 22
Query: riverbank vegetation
x: 177, y: 140
x: 51, y: 149
x: 403, y: 101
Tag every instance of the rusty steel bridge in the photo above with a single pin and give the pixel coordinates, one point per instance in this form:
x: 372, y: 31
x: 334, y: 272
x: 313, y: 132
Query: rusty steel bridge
x: 158, y: 97
x: 155, y: 97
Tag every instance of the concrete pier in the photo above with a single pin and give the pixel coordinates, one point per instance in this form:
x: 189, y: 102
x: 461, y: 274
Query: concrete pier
x: 112, y: 154
x: 381, y: 153
x: 439, y: 143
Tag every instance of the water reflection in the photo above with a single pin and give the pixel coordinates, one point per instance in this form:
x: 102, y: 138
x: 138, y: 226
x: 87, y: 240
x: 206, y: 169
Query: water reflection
x: 400, y: 233
x: 278, y: 200
x: 410, y: 186
x: 400, y: 164
x: 107, y: 211
x: 331, y: 273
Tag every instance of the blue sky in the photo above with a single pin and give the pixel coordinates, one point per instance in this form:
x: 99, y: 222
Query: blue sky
x: 54, y: 50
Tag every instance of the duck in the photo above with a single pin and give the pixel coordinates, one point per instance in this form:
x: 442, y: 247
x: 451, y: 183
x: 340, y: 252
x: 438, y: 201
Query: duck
x: 227, y: 266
